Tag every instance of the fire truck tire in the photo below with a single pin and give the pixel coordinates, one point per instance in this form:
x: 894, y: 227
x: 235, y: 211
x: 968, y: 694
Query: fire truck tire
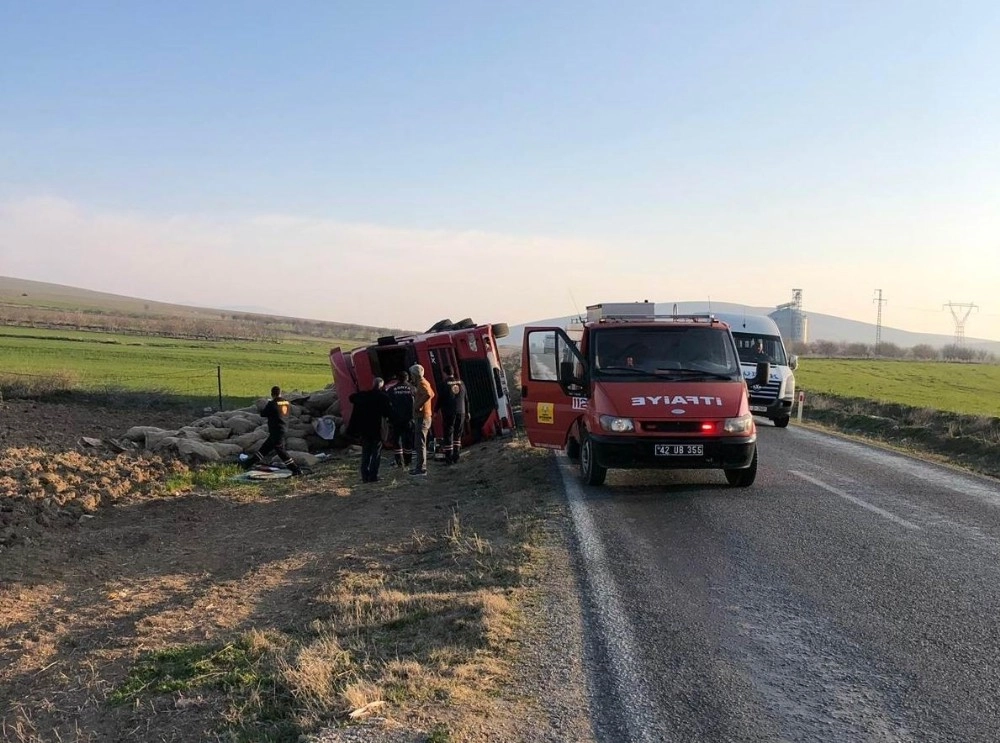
x: 439, y: 325
x: 501, y: 330
x: 573, y: 449
x: 591, y: 472
x: 743, y: 478
x: 464, y: 324
x: 781, y: 422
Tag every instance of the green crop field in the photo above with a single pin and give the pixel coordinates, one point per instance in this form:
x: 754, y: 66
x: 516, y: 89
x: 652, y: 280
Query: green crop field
x: 97, y: 361
x: 973, y: 389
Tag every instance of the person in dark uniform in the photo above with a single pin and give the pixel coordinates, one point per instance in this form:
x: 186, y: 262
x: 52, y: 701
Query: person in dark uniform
x: 454, y: 414
x: 276, y: 412
x: 759, y: 355
x: 371, y: 407
x: 400, y: 394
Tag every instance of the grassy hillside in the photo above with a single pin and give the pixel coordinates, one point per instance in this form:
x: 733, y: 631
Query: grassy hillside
x: 973, y: 389
x: 41, y: 295
x: 97, y: 361
x: 36, y: 304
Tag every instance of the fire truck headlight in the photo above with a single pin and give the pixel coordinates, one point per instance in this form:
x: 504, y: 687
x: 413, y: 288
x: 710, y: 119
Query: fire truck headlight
x: 743, y: 424
x: 617, y: 425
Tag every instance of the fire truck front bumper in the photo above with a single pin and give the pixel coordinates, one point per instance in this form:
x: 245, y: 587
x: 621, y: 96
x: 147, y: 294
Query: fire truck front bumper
x: 649, y: 452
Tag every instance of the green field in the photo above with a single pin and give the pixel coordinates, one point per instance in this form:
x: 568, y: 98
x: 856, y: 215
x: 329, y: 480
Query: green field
x: 187, y: 368
x: 100, y: 361
x: 973, y: 389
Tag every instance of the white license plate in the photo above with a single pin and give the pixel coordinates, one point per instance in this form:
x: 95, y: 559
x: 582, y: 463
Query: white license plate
x: 758, y: 408
x: 679, y: 450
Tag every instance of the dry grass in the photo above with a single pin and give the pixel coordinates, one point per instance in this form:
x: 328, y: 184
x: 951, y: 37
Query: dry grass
x: 263, y: 617
x: 35, y: 386
x: 966, y: 440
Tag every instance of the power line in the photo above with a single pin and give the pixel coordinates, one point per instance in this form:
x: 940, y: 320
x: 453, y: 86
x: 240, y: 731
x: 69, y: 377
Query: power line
x: 878, y: 323
x: 960, y: 318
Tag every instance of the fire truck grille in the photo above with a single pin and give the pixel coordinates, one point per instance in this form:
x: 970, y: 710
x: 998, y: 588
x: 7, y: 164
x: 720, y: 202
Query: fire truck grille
x: 671, y: 426
x: 478, y: 378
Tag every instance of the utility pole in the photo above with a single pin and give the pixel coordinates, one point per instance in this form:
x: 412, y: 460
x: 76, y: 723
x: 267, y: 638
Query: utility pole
x: 878, y: 323
x: 960, y: 318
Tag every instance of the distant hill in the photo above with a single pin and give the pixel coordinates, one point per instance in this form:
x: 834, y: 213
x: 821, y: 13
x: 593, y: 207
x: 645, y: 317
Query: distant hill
x: 40, y: 304
x: 821, y: 327
x: 41, y: 295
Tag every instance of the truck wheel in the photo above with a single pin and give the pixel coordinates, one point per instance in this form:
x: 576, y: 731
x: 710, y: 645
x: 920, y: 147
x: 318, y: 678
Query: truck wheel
x: 781, y: 422
x: 439, y: 325
x: 743, y: 478
x: 501, y: 330
x: 591, y: 472
x: 573, y: 449
x: 464, y: 324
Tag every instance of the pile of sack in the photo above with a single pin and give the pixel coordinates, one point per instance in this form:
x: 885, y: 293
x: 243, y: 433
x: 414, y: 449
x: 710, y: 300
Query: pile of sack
x: 314, y: 425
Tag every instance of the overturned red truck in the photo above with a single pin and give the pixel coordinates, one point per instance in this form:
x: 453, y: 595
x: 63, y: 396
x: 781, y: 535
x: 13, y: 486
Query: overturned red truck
x: 469, y: 349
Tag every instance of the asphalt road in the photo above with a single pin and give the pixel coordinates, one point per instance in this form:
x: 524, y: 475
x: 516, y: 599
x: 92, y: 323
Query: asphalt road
x: 850, y: 595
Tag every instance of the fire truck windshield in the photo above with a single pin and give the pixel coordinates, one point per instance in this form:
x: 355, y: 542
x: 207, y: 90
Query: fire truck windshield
x: 664, y: 352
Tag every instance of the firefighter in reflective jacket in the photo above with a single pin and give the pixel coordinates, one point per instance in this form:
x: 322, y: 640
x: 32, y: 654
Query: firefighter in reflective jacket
x: 454, y: 414
x: 276, y: 412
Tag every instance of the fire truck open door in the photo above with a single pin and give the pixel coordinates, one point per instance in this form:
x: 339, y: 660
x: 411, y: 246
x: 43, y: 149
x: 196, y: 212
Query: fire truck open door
x: 343, y: 381
x: 554, y: 385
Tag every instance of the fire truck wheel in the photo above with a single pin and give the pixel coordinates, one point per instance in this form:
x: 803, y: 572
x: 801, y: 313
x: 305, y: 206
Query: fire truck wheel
x: 464, y: 324
x: 591, y: 472
x: 573, y: 449
x: 501, y: 330
x: 743, y: 478
x: 440, y: 325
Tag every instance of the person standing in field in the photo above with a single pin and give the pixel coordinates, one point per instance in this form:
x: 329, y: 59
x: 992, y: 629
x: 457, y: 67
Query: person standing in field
x: 400, y: 394
x: 371, y: 407
x: 454, y: 411
x: 423, y: 412
x: 276, y: 413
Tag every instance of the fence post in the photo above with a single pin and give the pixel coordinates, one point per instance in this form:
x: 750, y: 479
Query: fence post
x: 218, y: 374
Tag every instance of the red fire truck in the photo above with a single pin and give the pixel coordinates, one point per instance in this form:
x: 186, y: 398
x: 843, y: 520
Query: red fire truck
x: 632, y: 389
x: 470, y: 350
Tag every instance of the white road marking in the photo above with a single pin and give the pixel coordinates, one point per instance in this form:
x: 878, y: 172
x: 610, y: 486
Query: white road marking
x: 856, y: 501
x: 632, y: 692
x: 966, y: 484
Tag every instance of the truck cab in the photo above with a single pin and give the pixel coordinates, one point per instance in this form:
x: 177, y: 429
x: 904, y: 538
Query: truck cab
x: 775, y: 397
x: 634, y: 389
x: 468, y: 349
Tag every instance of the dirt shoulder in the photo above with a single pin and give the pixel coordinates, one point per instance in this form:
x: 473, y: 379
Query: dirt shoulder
x: 268, y: 612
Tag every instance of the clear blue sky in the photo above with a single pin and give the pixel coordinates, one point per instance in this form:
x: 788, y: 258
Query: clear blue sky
x: 730, y: 149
